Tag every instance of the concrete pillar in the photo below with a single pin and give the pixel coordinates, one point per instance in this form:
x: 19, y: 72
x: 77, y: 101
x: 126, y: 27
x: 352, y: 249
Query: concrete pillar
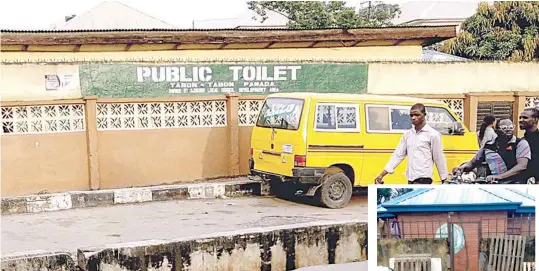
x: 233, y: 133
x: 92, y: 141
x: 518, y: 106
x: 470, y: 112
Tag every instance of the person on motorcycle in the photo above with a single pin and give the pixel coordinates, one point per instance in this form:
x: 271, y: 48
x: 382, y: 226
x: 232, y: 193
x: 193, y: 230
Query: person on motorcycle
x: 527, y: 121
x: 514, y: 151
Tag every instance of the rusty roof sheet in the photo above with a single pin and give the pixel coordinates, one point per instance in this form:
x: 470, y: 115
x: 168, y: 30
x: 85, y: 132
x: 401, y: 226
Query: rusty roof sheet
x: 215, y: 29
x: 430, y: 34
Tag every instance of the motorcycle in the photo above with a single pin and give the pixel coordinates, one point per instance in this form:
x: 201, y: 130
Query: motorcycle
x: 458, y: 179
x: 481, y: 177
x: 472, y: 178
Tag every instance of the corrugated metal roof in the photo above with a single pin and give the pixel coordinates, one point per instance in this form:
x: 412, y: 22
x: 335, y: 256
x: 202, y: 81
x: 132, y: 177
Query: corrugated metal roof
x: 454, y: 196
x: 209, y: 30
x: 461, y: 199
x: 513, y: 195
x: 244, y: 20
x: 435, y: 56
x: 406, y: 196
x: 114, y: 15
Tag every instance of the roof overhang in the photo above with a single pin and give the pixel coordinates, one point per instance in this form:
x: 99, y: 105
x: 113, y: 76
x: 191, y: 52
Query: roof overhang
x: 526, y: 210
x: 219, y: 39
x: 502, y: 206
x: 385, y: 215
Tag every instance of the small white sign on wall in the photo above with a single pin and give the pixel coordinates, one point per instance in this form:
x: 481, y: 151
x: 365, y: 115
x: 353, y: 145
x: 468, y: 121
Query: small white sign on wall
x: 59, y: 82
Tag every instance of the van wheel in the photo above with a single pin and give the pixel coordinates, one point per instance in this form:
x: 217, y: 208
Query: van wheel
x: 336, y: 191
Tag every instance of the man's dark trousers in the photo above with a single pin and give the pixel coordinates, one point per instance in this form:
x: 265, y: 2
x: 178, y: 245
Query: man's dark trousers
x: 421, y: 181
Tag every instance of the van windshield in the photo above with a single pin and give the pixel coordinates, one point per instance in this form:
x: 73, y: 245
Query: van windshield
x: 281, y: 113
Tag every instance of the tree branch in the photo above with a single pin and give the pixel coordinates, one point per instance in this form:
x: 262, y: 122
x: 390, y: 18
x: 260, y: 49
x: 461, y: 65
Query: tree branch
x: 278, y: 12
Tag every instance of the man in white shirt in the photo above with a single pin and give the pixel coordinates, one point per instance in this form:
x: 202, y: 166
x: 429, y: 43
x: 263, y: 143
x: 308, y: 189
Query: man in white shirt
x: 423, y: 146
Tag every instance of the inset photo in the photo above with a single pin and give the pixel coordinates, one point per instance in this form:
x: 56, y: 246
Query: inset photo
x: 457, y: 228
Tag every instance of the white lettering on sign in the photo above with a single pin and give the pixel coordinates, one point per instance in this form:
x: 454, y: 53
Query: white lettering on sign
x: 221, y: 84
x: 258, y: 84
x: 184, y: 85
x: 174, y: 74
x: 249, y: 73
x: 200, y: 79
x: 261, y: 73
x: 294, y: 71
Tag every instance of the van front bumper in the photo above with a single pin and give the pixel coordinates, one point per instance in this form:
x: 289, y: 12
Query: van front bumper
x: 304, y: 175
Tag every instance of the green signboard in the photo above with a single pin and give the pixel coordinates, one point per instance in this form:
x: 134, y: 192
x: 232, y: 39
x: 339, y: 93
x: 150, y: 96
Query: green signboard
x: 143, y: 80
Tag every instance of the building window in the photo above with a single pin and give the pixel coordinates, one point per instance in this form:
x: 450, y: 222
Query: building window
x: 440, y: 119
x: 130, y: 116
x: 457, y: 105
x: 532, y: 102
x: 248, y: 111
x: 39, y: 119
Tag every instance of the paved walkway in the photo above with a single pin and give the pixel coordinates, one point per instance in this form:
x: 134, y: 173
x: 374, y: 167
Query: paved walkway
x: 76, y: 228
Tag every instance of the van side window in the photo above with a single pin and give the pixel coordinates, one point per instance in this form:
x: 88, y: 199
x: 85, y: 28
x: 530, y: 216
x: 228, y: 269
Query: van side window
x: 440, y: 119
x: 388, y: 118
x: 337, y: 117
x: 400, y: 118
x: 325, y: 117
x: 378, y: 118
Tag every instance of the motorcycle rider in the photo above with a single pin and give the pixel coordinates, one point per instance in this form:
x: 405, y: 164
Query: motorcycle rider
x: 515, y: 152
x: 527, y: 121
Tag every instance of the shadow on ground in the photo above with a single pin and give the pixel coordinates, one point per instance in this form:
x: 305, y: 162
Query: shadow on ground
x: 359, y: 196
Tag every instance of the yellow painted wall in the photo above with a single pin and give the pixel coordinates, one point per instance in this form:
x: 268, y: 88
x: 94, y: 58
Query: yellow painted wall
x: 55, y: 162
x: 25, y: 82
x: 371, y: 53
x: 161, y: 156
x: 452, y: 78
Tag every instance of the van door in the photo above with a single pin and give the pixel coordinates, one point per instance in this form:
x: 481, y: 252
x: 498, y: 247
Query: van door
x: 458, y: 148
x: 384, y: 124
x: 335, y: 136
x: 278, y: 136
x: 387, y: 123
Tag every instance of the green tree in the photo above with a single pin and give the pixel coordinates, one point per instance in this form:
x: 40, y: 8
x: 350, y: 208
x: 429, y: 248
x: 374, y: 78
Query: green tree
x: 502, y: 31
x: 385, y: 194
x: 324, y: 14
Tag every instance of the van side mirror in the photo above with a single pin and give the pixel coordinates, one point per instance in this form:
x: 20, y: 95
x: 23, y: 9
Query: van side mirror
x: 457, y: 129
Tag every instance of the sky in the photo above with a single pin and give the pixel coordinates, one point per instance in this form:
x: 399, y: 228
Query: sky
x: 41, y: 14
x: 180, y: 12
